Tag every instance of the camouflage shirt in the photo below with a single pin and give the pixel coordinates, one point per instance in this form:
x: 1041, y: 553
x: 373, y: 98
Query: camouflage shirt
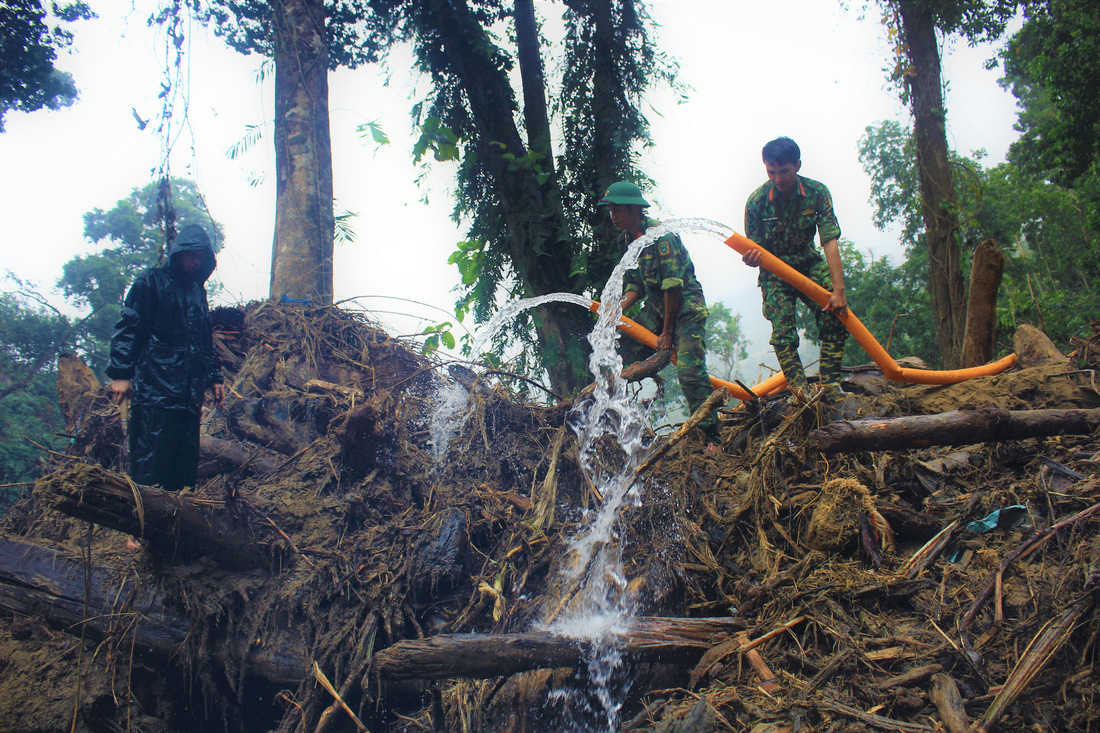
x: 785, y: 227
x: 663, y: 265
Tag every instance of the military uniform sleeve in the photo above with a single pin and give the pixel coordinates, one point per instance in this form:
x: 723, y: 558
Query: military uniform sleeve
x: 827, y: 226
x: 754, y: 223
x: 673, y: 259
x: 132, y: 330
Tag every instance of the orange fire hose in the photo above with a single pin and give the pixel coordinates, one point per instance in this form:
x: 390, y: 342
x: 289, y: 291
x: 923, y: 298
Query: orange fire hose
x: 820, y: 295
x: 878, y: 354
x: 643, y: 335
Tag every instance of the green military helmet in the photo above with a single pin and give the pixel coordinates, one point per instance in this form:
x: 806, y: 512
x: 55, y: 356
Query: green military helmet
x: 623, y: 192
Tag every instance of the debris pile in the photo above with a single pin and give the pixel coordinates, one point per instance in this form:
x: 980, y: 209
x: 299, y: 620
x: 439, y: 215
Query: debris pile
x: 359, y: 555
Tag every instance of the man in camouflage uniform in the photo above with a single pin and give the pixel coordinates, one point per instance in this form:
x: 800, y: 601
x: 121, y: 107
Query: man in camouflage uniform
x: 674, y: 307
x: 782, y: 216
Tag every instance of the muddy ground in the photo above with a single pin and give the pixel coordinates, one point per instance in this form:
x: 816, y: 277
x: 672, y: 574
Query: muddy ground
x: 865, y: 595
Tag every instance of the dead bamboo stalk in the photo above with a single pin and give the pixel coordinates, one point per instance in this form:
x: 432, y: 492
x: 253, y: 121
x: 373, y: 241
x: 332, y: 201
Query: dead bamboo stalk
x: 1038, y: 653
x: 763, y: 671
x: 739, y: 645
x: 717, y: 397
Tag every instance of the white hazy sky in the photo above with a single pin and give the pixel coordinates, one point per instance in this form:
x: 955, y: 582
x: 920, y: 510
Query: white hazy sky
x: 809, y: 69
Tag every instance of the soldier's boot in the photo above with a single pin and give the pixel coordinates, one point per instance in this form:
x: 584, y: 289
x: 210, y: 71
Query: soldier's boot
x: 792, y: 368
x: 832, y: 358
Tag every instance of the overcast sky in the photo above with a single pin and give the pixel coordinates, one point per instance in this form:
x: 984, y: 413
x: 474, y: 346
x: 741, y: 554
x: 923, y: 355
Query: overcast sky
x: 809, y: 69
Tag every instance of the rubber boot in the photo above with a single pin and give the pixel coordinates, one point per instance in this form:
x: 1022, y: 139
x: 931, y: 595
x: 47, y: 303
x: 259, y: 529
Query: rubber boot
x: 792, y: 367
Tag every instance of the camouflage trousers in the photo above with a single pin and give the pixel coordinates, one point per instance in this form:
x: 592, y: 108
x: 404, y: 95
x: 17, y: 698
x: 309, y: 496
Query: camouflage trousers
x: 689, y: 344
x: 780, y: 300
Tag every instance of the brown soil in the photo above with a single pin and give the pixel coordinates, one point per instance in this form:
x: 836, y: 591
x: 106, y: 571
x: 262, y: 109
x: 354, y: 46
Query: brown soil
x: 371, y: 542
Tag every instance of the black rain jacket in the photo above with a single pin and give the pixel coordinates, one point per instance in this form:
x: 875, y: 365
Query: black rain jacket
x: 163, y: 340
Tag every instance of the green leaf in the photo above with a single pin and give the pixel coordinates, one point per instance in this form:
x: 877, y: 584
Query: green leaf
x: 374, y: 131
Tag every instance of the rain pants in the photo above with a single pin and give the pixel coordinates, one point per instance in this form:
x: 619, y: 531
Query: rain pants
x: 163, y: 344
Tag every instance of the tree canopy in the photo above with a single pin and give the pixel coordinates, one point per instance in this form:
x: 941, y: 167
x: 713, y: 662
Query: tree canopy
x: 534, y: 227
x: 34, y: 333
x: 28, y: 48
x: 1052, y: 64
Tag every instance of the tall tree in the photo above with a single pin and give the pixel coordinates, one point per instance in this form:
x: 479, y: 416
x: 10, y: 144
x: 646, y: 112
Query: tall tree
x: 1052, y: 64
x: 534, y: 226
x: 301, y: 256
x: 919, y: 72
x: 1052, y: 262
x: 306, y: 39
x: 28, y: 48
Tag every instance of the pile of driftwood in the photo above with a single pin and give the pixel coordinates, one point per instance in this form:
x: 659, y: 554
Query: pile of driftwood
x: 890, y: 558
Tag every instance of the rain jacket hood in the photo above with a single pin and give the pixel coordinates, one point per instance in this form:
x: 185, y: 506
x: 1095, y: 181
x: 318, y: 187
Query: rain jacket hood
x: 193, y: 238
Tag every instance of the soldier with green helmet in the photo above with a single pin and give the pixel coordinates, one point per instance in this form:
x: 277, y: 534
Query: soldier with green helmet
x: 782, y: 216
x: 673, y: 307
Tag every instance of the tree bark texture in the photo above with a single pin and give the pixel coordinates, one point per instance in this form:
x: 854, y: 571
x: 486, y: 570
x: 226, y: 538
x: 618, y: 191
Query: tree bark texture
x: 301, y: 258
x: 949, y: 704
x: 219, y: 456
x: 981, y: 313
x: 534, y: 83
x: 480, y: 656
x: 937, y: 184
x: 50, y: 584
x: 958, y: 427
x: 174, y: 528
x: 540, y: 243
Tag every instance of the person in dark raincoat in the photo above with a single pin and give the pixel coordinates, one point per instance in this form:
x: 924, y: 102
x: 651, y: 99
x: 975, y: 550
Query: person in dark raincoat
x: 162, y: 355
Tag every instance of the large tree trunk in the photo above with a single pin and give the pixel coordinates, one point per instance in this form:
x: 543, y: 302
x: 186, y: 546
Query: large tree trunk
x: 534, y: 83
x: 937, y: 185
x: 301, y: 258
x: 541, y: 246
x: 173, y: 527
x: 981, y: 313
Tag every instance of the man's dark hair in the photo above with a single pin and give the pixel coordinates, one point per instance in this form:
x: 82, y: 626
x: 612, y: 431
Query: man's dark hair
x: 781, y: 151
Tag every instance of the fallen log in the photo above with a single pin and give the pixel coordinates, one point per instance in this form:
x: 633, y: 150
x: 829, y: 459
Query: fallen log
x: 481, y: 656
x: 987, y: 423
x: 173, y: 528
x: 219, y: 456
x: 48, y: 583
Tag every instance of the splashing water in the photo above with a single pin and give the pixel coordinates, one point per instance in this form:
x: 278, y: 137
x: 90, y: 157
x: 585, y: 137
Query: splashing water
x: 603, y: 608
x: 450, y: 412
x: 513, y: 308
x: 448, y: 417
